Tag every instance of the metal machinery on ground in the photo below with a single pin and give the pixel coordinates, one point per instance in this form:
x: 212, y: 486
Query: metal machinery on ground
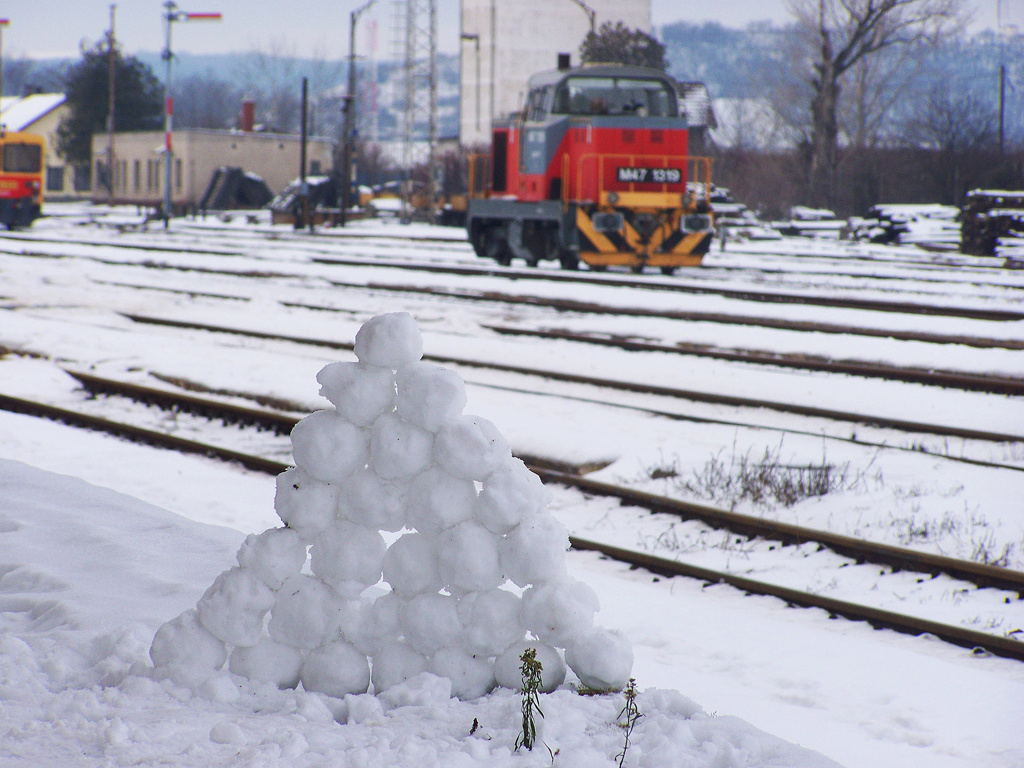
x: 595, y: 169
x: 21, y: 178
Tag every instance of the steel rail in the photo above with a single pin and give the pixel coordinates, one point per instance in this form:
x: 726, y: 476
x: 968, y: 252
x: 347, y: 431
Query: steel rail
x: 566, y: 474
x: 1003, y: 385
x: 567, y: 305
x: 877, y: 305
x: 876, y: 617
x: 650, y: 389
x: 719, y: 318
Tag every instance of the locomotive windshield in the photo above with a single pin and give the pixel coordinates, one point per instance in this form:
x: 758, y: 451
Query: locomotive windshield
x: 615, y: 96
x: 22, y: 158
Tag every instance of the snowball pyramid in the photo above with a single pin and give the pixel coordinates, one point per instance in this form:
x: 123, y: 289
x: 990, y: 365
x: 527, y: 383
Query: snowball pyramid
x: 476, y: 576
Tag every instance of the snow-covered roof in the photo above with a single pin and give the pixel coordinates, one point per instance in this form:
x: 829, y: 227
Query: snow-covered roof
x: 695, y: 102
x: 751, y: 124
x: 19, y: 112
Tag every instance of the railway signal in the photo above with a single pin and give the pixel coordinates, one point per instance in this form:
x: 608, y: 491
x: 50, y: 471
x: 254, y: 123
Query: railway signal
x: 171, y: 15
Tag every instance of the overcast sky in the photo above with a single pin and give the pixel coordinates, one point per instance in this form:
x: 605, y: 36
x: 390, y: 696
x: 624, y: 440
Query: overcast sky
x: 49, y: 28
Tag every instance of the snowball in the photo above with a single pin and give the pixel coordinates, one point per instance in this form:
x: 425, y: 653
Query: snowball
x: 273, y: 556
x: 601, y: 658
x: 559, y: 611
x: 470, y: 447
x: 431, y: 621
x: 368, y: 500
x: 511, y: 494
x: 347, y: 552
x: 472, y: 676
x: 186, y: 651
x: 383, y: 624
x: 305, y: 504
x: 437, y: 501
x: 491, y: 620
x: 429, y: 395
x: 467, y: 558
x: 327, y: 446
x: 234, y: 606
x: 534, y: 552
x: 399, y: 448
x: 389, y: 341
x: 304, y: 613
x: 361, y: 393
x: 268, y: 661
x: 508, y: 666
x: 337, y: 669
x: 410, y: 565
x: 395, y: 663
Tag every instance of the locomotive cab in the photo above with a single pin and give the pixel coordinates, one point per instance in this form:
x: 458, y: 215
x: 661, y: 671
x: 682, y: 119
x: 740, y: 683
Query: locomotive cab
x: 595, y: 168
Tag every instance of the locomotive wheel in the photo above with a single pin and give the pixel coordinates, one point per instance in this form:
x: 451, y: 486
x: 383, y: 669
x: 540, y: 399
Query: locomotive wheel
x: 668, y: 271
x: 569, y: 259
x: 599, y: 267
x: 496, y: 248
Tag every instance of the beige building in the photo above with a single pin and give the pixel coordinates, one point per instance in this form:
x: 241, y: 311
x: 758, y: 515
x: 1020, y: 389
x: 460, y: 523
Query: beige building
x: 41, y: 113
x: 505, y: 42
x: 139, y: 163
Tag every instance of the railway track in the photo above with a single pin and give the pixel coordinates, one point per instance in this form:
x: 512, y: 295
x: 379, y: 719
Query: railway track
x: 571, y: 476
x: 322, y: 254
x: 617, y: 384
x: 1002, y: 385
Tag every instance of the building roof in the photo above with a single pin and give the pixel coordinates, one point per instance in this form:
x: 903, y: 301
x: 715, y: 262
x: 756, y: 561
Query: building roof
x: 696, y: 105
x: 18, y: 113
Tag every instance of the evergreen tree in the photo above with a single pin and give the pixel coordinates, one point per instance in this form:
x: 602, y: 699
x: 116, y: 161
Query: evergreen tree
x: 618, y: 44
x: 138, y: 100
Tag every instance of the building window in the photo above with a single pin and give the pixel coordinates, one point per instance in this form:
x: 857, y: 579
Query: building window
x: 177, y: 174
x: 83, y: 178
x: 54, y: 178
x: 314, y: 168
x: 149, y: 175
x: 138, y: 175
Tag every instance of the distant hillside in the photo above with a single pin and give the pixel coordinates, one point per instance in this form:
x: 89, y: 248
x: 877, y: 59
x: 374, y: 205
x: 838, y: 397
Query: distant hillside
x: 758, y: 62
x: 761, y: 62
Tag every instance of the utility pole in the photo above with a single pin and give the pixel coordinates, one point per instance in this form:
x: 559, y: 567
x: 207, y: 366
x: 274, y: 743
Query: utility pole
x: 171, y: 15
x: 416, y: 22
x: 591, y: 14
x: 303, y: 216
x: 350, y: 113
x: 111, y: 90
x: 3, y: 24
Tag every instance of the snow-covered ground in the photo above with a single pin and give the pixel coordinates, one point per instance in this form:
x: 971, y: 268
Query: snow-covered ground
x: 89, y: 575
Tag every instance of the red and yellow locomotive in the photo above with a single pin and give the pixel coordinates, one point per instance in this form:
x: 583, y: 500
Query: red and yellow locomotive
x: 595, y: 169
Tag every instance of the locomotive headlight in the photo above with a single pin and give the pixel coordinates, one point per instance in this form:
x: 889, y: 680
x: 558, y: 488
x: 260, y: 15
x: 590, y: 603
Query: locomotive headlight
x: 613, y: 198
x: 696, y: 222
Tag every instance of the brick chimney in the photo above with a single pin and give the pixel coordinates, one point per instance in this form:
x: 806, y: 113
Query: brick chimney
x: 248, y: 120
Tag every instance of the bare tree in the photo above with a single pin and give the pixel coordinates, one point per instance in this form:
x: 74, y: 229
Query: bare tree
x: 839, y: 34
x: 956, y: 138
x: 272, y: 76
x: 206, y: 101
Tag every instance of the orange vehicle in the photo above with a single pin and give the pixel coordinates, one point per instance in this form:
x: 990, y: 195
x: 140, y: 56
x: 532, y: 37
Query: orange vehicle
x: 595, y: 169
x: 21, y: 178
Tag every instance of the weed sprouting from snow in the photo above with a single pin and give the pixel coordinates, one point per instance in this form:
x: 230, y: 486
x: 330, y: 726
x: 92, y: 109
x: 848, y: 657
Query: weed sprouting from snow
x: 531, y: 670
x: 765, y: 481
x: 632, y: 714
